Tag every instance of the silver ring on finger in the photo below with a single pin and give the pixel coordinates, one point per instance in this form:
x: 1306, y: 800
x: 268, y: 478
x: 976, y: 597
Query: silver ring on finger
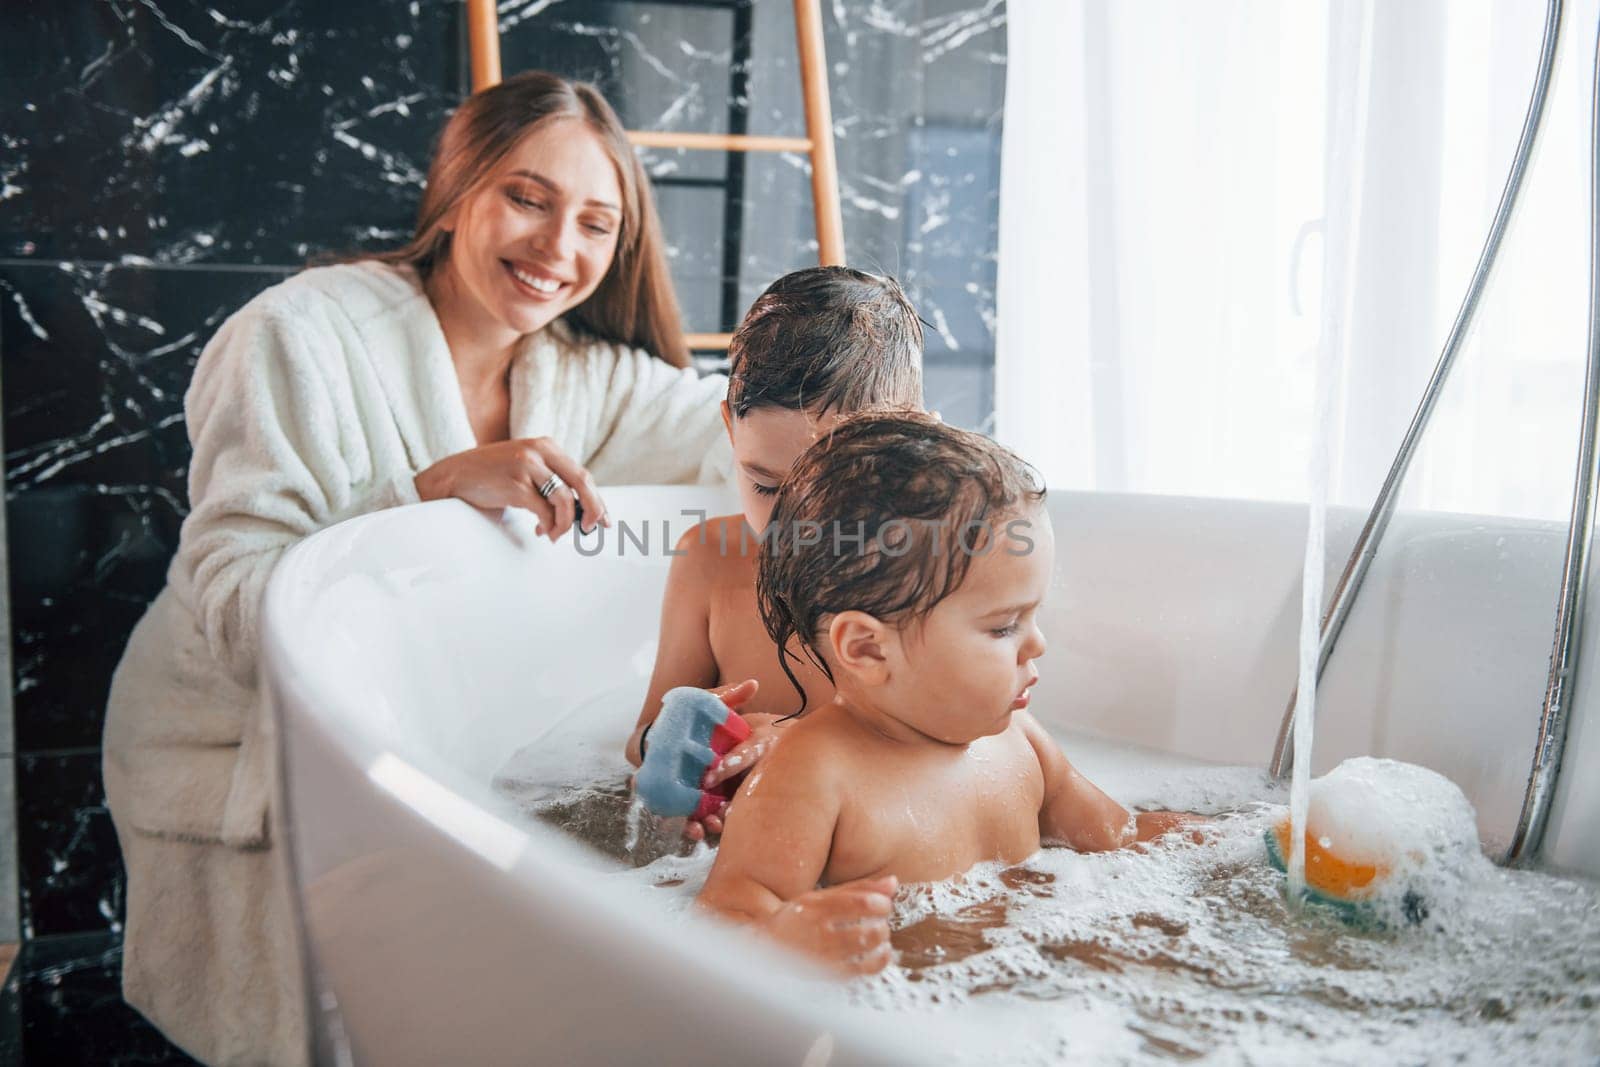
x: 551, y: 485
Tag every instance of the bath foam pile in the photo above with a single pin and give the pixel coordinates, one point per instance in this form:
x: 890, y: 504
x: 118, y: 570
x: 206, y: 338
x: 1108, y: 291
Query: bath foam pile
x: 1385, y: 841
x: 1186, y: 953
x: 1192, y: 952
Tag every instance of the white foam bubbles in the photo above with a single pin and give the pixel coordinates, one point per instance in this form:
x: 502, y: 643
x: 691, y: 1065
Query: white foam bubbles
x: 1189, y: 951
x: 1389, y: 814
x: 1413, y: 826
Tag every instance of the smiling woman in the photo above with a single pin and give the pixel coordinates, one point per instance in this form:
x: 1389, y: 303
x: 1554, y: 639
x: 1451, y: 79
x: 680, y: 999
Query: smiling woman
x: 526, y: 340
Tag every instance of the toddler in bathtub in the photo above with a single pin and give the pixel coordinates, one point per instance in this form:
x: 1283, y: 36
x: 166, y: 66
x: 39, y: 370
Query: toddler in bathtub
x: 819, y: 344
x: 908, y: 560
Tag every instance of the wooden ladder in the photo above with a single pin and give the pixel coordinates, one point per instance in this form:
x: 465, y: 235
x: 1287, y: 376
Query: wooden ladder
x: 483, y: 31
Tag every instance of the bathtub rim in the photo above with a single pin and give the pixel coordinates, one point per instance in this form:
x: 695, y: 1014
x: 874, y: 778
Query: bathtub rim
x: 715, y: 950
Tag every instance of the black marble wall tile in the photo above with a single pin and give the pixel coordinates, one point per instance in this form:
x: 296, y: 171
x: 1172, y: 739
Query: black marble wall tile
x: 96, y: 362
x: 959, y: 322
x: 62, y: 1005
x: 253, y: 131
x: 662, y: 66
x: 165, y: 160
x: 963, y: 395
x: 274, y: 131
x: 917, y: 88
x: 71, y: 869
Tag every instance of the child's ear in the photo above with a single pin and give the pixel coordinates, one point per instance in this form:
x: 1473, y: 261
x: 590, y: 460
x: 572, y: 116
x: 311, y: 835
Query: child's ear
x: 727, y: 420
x: 858, y: 642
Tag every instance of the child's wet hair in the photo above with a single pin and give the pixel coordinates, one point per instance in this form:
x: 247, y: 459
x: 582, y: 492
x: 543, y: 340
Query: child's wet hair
x: 827, y: 339
x: 900, y: 505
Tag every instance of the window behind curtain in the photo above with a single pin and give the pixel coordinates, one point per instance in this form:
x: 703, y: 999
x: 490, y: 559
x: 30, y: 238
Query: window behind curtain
x: 1164, y: 225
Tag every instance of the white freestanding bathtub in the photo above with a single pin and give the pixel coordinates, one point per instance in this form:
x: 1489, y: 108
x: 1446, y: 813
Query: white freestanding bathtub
x: 408, y: 653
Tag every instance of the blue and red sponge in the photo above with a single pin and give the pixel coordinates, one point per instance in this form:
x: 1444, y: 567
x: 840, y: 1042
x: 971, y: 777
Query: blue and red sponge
x: 691, y: 735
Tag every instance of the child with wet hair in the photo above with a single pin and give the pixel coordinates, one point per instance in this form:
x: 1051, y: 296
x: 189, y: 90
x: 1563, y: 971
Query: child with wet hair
x: 819, y: 344
x: 908, y: 561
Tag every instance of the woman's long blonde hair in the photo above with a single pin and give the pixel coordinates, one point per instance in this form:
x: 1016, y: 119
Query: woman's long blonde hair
x: 634, y: 303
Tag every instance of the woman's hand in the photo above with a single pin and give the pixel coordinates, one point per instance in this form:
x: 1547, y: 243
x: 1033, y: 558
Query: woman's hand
x: 735, y: 696
x: 846, y: 926
x: 509, y: 474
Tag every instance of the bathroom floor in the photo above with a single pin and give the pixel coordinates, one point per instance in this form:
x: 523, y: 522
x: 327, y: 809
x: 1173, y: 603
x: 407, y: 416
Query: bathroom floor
x: 62, y: 1004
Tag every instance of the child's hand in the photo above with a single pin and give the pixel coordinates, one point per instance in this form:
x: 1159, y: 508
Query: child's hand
x: 845, y: 926
x: 735, y: 696
x: 1154, y: 824
x: 764, y: 733
x: 738, y: 694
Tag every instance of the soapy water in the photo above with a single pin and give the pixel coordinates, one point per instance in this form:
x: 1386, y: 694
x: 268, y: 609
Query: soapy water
x: 575, y: 779
x: 1187, y: 952
x: 1197, y: 951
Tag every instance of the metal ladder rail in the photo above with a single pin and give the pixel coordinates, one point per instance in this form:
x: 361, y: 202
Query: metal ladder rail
x: 483, y: 31
x: 1366, y: 546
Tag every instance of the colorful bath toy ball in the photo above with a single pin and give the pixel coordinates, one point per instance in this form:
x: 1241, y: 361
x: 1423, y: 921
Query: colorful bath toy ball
x: 691, y: 735
x: 1381, y: 838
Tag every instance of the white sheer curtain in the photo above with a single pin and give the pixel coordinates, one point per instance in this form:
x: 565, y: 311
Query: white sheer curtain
x: 1169, y: 203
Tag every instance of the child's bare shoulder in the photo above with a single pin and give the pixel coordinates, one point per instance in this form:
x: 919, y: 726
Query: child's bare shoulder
x: 1027, y: 728
x: 698, y: 555
x: 716, y: 544
x: 1018, y: 749
x: 812, y: 756
x: 1040, y: 746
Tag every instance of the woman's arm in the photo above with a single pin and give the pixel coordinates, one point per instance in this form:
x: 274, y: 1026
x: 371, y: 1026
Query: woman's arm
x: 509, y: 474
x: 269, y: 468
x: 661, y: 424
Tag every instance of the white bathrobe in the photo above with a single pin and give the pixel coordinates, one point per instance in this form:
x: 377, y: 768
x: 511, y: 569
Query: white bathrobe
x: 320, y: 400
